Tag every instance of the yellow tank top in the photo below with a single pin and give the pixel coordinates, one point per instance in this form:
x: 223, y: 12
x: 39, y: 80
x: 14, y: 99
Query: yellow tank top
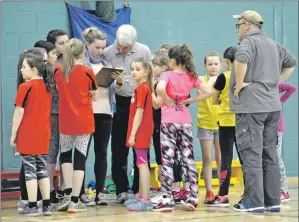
x: 207, y: 116
x: 226, y: 117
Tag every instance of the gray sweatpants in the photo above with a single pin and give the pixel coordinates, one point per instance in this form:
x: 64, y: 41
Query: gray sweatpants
x: 256, y: 135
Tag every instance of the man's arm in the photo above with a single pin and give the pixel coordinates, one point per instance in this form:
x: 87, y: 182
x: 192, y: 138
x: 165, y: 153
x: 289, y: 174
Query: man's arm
x: 242, y: 58
x: 285, y: 73
x: 240, y: 70
x: 288, y: 63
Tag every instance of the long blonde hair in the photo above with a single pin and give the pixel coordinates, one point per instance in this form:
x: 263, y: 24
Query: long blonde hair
x: 73, y: 50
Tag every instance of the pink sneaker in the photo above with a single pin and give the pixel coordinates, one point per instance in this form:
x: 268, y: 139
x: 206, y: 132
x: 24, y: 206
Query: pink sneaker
x: 178, y: 196
x: 187, y: 194
x: 284, y: 197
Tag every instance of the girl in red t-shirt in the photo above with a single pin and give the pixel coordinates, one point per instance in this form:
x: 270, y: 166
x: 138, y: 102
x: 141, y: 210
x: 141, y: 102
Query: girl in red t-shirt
x: 140, y: 130
x: 31, y: 128
x: 76, y: 88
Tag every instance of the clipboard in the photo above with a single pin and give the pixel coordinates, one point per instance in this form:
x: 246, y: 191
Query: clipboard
x: 104, y: 78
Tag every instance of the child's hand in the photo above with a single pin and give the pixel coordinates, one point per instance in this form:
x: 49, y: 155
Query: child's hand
x: 218, y: 100
x: 168, y: 101
x: 186, y: 101
x: 11, y: 122
x: 13, y: 141
x: 93, y: 95
x: 131, y: 141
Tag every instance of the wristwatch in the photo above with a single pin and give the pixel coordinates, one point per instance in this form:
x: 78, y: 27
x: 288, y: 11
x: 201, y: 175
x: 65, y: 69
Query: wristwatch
x: 120, y: 84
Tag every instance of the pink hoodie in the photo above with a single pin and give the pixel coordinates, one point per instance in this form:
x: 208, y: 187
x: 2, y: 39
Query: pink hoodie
x: 287, y: 90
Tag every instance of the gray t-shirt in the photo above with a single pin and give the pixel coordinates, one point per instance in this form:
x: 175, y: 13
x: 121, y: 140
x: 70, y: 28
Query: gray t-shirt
x: 124, y: 60
x: 265, y: 59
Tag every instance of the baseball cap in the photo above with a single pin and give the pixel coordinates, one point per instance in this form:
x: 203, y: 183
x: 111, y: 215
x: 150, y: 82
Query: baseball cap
x: 251, y: 16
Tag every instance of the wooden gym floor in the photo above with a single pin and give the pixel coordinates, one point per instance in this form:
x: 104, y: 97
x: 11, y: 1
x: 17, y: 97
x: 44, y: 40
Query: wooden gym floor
x: 118, y: 213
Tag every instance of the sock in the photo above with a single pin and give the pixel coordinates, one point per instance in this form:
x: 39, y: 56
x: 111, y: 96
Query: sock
x: 32, y: 204
x: 74, y: 199
x: 67, y: 191
x: 46, y: 203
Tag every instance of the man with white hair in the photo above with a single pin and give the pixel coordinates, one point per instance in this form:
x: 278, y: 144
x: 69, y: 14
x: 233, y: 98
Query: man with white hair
x: 260, y: 65
x: 121, y: 53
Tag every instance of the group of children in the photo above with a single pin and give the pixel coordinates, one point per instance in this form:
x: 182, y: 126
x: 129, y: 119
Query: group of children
x: 158, y: 110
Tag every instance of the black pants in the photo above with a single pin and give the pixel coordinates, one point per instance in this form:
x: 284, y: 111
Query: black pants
x: 157, y: 144
x: 23, y: 189
x: 227, y: 138
x: 118, y: 147
x: 83, y: 182
x: 101, y: 136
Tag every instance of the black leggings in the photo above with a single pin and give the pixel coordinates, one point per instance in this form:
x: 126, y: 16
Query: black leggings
x: 227, y: 139
x: 101, y: 136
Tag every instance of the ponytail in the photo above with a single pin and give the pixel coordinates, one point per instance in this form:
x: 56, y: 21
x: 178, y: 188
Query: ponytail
x: 150, y: 77
x: 68, y: 61
x: 183, y: 56
x: 48, y: 76
x: 190, y: 67
x: 73, y: 50
x: 20, y: 79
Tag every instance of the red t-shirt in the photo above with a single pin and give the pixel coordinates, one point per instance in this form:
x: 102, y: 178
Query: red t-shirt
x: 142, y: 98
x: 75, y: 104
x: 34, y: 133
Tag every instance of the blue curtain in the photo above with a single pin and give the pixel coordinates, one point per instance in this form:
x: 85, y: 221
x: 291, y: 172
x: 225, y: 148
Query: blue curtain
x: 81, y: 19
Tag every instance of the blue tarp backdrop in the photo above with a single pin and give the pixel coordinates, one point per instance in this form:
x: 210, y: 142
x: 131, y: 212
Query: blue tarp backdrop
x: 81, y: 19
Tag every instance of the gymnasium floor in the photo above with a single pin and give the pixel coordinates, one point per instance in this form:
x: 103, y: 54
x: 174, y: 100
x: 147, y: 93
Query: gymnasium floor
x: 118, y: 213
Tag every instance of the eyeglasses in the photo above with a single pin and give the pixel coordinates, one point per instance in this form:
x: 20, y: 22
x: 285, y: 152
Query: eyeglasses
x: 238, y: 25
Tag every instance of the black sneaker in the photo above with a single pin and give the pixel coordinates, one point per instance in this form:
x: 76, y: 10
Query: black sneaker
x: 219, y: 201
x: 53, y: 197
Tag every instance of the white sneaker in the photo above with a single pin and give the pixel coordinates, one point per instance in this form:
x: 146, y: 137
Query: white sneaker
x: 39, y: 205
x: 76, y: 207
x: 121, y: 198
x: 164, y: 205
x: 155, y: 200
x: 101, y: 199
x: 22, y: 204
x: 84, y: 198
x: 63, y: 204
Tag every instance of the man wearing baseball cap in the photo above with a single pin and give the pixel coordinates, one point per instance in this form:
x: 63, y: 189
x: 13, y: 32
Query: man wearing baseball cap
x: 260, y: 65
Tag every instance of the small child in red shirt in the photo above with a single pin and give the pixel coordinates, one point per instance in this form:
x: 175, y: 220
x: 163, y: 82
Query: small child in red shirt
x: 31, y: 130
x: 140, y: 131
x: 77, y: 87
